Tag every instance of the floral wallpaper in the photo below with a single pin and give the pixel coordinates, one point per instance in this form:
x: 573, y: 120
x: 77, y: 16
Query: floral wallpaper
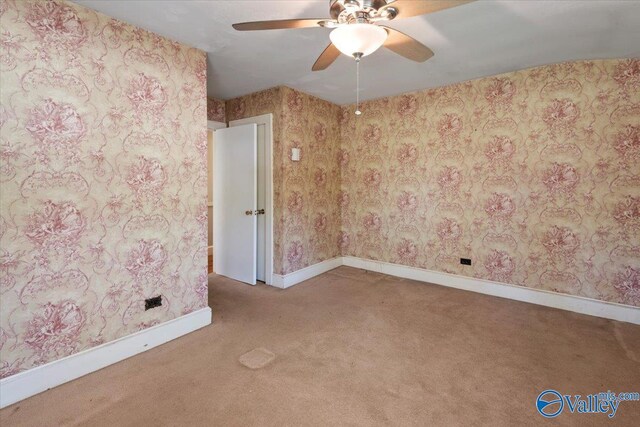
x: 103, y: 173
x: 311, y: 216
x: 216, y: 110
x: 306, y: 217
x: 534, y: 175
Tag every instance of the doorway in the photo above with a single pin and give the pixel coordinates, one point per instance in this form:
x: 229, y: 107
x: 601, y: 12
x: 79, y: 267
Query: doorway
x: 242, y: 211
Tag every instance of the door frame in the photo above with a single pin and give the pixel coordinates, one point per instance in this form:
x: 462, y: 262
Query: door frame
x: 211, y: 126
x: 267, y: 121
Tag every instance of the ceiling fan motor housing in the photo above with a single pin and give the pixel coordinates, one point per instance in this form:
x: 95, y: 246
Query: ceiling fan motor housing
x: 339, y: 7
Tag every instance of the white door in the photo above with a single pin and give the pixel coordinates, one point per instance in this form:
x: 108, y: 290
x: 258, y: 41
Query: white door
x: 261, y: 223
x: 264, y: 264
x: 235, y: 202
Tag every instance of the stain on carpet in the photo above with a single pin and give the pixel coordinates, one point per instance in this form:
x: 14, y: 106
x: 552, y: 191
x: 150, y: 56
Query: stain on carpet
x: 257, y: 358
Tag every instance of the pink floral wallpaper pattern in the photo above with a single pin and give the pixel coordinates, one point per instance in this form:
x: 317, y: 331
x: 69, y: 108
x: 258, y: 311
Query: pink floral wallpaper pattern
x: 216, y: 110
x: 103, y: 174
x: 534, y: 175
x: 306, y: 217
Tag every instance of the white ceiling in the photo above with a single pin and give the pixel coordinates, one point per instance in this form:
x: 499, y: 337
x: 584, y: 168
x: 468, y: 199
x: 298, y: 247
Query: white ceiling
x: 478, y: 39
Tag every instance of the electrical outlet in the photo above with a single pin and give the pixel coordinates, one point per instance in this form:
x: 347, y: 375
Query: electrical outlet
x: 154, y: 302
x: 465, y: 261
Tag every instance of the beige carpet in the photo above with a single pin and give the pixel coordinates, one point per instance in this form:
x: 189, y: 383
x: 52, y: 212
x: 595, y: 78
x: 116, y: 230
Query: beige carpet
x: 356, y: 348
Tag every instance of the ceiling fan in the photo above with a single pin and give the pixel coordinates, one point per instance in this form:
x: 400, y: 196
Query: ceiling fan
x: 357, y: 29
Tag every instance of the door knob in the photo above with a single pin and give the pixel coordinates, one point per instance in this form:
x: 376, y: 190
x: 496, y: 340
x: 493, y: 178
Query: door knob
x: 248, y: 212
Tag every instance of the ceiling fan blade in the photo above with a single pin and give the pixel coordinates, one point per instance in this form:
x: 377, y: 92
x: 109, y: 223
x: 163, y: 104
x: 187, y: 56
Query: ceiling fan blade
x: 326, y: 58
x: 406, y: 46
x: 278, y: 25
x: 408, y: 8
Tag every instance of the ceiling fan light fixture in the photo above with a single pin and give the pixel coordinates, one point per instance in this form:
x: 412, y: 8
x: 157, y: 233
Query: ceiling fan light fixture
x: 358, y: 38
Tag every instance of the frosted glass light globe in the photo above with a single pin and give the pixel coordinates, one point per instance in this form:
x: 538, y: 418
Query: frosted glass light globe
x: 358, y: 38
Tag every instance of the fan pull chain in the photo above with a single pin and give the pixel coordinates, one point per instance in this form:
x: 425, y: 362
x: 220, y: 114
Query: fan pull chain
x: 358, y: 56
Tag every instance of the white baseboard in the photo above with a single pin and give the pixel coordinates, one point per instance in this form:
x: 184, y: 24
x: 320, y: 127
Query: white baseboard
x: 592, y: 307
x: 306, y: 273
x: 36, y: 380
x: 608, y: 310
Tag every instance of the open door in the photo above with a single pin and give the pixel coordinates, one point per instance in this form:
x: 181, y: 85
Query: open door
x: 235, y: 202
